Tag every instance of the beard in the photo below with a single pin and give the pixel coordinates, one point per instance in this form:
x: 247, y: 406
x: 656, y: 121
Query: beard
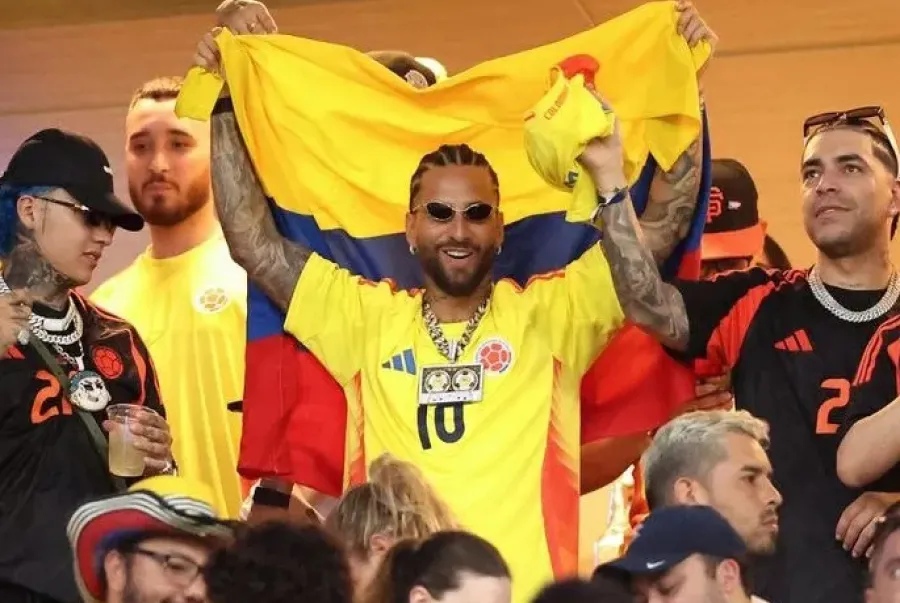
x: 132, y: 593
x: 448, y: 282
x: 172, y: 207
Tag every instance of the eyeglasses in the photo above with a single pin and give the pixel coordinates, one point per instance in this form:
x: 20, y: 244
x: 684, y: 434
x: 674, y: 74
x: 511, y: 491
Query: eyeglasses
x: 91, y: 218
x: 444, y: 212
x: 180, y: 569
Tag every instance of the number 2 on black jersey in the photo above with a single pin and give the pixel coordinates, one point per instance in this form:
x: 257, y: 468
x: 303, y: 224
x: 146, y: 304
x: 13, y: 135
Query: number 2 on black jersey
x: 841, y: 390
x: 440, y: 412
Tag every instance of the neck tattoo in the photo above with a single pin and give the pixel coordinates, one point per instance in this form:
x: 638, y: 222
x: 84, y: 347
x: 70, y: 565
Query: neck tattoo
x: 26, y: 268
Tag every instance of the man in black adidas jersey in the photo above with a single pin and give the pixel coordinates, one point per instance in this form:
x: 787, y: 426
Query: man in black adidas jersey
x: 869, y: 454
x: 63, y: 360
x: 793, y: 340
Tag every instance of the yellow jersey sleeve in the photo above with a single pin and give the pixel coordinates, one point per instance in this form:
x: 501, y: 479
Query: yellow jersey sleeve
x: 579, y: 307
x: 329, y: 311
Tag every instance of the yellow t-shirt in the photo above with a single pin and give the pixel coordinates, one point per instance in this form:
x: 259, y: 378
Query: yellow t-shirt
x: 191, y: 311
x: 508, y: 465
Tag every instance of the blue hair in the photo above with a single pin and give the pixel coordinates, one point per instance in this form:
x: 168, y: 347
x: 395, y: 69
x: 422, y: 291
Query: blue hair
x: 9, y: 216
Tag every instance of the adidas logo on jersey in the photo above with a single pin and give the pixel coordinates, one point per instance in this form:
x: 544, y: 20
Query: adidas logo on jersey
x: 404, y: 362
x: 795, y: 342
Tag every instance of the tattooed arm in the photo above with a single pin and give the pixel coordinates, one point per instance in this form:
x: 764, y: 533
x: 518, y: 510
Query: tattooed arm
x: 647, y: 301
x: 673, y: 199
x: 271, y: 261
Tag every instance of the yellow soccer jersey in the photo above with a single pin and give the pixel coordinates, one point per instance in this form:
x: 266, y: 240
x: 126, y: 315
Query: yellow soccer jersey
x: 507, y: 465
x: 191, y: 311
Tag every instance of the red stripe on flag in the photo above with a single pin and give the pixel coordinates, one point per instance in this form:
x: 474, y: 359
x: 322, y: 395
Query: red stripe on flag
x: 633, y: 387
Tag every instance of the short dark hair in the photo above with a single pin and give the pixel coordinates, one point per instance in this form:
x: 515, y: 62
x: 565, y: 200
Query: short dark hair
x: 450, y: 154
x: 712, y: 563
x: 434, y: 564
x: 775, y: 255
x: 280, y: 562
x: 158, y: 89
x: 881, y: 144
x: 576, y: 590
x: 885, y: 530
x: 402, y: 63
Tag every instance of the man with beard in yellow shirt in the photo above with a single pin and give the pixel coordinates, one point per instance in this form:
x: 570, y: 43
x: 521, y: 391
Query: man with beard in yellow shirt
x: 184, y: 294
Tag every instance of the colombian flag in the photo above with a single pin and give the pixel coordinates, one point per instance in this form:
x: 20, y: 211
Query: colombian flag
x: 335, y: 138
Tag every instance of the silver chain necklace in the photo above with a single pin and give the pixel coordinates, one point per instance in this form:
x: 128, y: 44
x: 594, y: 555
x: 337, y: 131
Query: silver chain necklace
x: 884, y: 305
x: 41, y: 325
x: 452, y: 350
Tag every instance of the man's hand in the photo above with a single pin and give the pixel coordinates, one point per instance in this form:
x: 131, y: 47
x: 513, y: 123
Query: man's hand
x: 603, y: 158
x: 857, y: 525
x: 694, y: 29
x: 152, y: 437
x: 245, y: 17
x: 713, y: 393
x: 15, y: 310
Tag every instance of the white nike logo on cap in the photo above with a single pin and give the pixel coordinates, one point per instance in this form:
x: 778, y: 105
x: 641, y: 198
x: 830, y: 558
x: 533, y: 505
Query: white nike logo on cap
x: 654, y: 564
x: 107, y: 169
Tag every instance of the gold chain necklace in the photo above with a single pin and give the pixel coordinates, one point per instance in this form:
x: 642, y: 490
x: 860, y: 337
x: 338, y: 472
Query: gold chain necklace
x: 452, y: 350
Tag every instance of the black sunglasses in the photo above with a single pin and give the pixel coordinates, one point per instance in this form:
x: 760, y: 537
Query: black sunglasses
x: 90, y: 217
x: 444, y: 212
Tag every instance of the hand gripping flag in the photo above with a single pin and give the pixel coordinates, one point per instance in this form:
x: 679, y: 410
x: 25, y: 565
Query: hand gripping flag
x: 335, y: 138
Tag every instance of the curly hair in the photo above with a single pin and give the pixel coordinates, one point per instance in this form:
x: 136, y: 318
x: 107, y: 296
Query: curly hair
x: 9, y: 217
x: 279, y: 562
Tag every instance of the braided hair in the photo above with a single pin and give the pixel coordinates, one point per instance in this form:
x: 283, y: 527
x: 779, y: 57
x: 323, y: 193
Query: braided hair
x: 450, y: 154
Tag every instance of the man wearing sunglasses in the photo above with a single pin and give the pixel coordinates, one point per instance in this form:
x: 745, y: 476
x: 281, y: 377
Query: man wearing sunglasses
x: 793, y: 341
x: 69, y: 361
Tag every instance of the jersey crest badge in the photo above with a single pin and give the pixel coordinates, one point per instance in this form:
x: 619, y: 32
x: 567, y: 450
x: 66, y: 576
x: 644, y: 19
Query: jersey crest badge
x: 495, y: 355
x: 211, y: 300
x: 108, y: 363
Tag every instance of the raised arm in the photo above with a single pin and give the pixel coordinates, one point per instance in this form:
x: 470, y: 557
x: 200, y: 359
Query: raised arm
x: 672, y: 202
x: 647, y: 301
x: 673, y: 193
x: 271, y: 261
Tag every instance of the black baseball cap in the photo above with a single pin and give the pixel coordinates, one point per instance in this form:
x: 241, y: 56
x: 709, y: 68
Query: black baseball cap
x: 76, y: 164
x: 733, y: 228
x: 672, y: 534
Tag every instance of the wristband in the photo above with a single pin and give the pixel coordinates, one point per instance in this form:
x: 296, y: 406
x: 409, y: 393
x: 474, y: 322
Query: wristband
x: 271, y: 497
x: 223, y: 105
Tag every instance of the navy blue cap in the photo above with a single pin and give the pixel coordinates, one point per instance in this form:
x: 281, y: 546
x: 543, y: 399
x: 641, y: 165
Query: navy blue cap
x: 672, y: 534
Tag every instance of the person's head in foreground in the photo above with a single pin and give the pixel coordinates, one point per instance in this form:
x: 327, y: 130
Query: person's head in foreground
x: 773, y: 255
x: 58, y: 211
x: 167, y: 158
x: 883, y: 584
x: 685, y: 554
x: 395, y: 504
x: 450, y: 567
x: 279, y: 562
x: 575, y: 590
x: 147, y: 545
x: 733, y: 234
x: 454, y: 223
x: 851, y: 197
x: 417, y: 72
x: 717, y: 458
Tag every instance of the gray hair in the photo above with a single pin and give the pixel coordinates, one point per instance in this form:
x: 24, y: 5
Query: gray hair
x: 691, y: 445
